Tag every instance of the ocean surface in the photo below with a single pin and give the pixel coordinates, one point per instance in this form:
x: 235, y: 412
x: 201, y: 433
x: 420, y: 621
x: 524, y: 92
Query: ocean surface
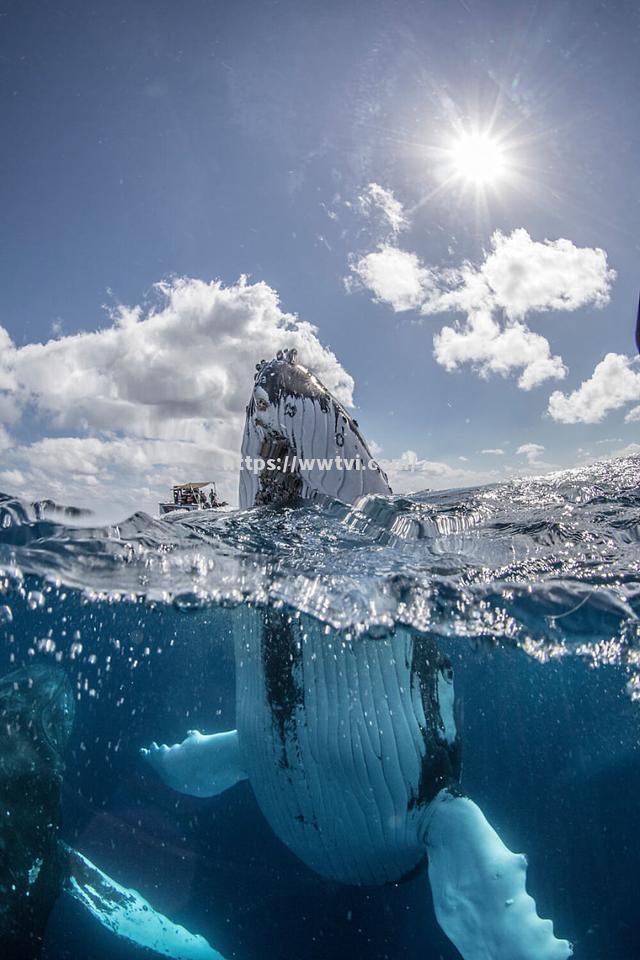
x: 532, y: 587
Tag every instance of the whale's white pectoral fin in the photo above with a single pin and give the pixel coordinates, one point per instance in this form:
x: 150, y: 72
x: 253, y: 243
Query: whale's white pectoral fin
x: 201, y: 766
x: 478, y: 888
x: 127, y: 914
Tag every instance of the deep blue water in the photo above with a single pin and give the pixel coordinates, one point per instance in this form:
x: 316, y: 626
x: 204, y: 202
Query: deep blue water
x: 532, y: 587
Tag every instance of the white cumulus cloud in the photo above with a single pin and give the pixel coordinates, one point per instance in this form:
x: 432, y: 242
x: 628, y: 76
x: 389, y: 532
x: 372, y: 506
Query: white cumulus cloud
x: 613, y: 384
x: 5, y: 442
x: 158, y: 392
x: 524, y: 275
x: 174, y: 369
x: 518, y: 276
x: 532, y: 451
x: 631, y: 450
x: 114, y: 475
x: 12, y: 480
x: 409, y: 473
x: 394, y: 276
x: 495, y: 349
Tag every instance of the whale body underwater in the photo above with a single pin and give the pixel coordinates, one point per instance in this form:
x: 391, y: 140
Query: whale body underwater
x: 351, y: 745
x: 36, y: 866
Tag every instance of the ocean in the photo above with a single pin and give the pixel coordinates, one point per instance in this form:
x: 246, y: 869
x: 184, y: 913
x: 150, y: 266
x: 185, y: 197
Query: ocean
x: 530, y: 587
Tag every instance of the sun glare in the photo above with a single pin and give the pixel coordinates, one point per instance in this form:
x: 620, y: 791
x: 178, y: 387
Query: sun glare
x: 478, y: 159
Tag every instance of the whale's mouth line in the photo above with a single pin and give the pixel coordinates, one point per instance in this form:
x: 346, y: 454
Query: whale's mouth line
x: 279, y: 481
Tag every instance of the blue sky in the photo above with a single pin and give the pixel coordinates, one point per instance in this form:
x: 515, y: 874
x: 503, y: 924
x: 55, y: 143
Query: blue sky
x: 152, y: 140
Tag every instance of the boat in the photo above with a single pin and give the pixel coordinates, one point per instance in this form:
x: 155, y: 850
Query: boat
x: 192, y: 496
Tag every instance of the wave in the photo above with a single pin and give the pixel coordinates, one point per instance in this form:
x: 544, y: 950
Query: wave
x: 550, y: 563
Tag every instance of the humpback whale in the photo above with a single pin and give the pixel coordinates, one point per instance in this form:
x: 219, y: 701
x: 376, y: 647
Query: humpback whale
x: 36, y: 714
x: 36, y: 867
x: 314, y: 447
x: 351, y: 744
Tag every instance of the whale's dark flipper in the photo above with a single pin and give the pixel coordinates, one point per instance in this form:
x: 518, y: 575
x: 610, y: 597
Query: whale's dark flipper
x: 638, y: 327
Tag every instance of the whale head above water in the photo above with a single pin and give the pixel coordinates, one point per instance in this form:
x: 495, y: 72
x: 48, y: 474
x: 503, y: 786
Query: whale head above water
x: 300, y: 443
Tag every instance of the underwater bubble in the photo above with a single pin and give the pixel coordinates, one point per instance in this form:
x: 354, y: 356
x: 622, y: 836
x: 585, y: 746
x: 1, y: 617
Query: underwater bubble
x: 35, y: 599
x: 6, y: 616
x: 46, y: 645
x: 189, y: 601
x: 11, y: 580
x: 633, y: 687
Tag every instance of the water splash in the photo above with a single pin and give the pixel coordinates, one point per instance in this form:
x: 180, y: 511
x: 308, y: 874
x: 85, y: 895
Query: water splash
x: 551, y: 564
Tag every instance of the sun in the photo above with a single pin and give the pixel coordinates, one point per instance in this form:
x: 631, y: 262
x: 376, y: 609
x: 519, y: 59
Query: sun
x: 478, y: 159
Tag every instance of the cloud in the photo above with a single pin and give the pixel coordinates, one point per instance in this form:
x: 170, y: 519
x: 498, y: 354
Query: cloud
x: 114, y: 475
x: 613, y: 384
x: 409, y: 473
x: 518, y: 276
x: 532, y: 451
x: 379, y: 198
x: 493, y: 349
x: 524, y: 275
x: 179, y: 369
x: 394, y: 277
x: 161, y: 390
x: 631, y: 450
x: 493, y: 451
x: 9, y: 412
x: 12, y: 480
